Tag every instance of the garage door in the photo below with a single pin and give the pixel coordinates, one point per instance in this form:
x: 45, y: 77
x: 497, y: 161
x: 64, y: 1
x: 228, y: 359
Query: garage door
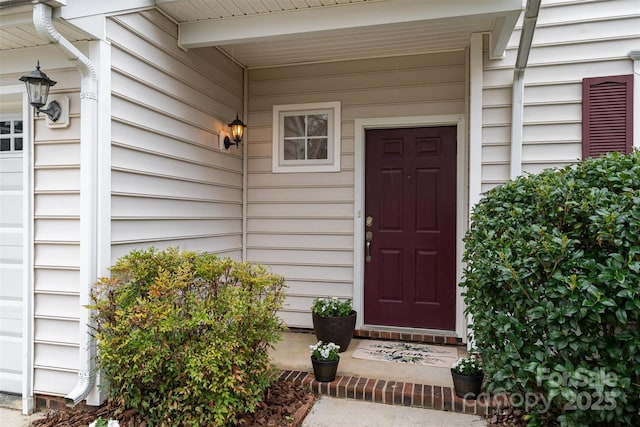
x: 11, y: 262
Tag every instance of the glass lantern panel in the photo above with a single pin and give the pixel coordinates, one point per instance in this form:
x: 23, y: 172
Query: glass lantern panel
x: 38, y: 93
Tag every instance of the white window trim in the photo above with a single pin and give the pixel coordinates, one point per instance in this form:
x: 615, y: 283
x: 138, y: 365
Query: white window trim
x: 334, y: 141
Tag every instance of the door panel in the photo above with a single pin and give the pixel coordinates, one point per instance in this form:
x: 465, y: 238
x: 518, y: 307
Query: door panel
x: 390, y: 272
x: 410, y: 193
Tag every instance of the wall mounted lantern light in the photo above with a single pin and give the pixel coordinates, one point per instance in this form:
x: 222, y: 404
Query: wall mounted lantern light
x: 237, y: 131
x: 38, y: 85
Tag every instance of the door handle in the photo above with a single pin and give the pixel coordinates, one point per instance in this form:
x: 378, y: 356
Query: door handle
x: 368, y: 237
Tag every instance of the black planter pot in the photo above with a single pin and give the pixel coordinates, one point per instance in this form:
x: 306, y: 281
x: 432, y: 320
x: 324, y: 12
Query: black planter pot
x: 325, y: 370
x: 338, y: 330
x: 467, y: 387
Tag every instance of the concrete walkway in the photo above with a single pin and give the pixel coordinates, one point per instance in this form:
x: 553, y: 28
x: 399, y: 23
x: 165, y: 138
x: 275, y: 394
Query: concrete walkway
x: 331, y: 412
x: 14, y: 418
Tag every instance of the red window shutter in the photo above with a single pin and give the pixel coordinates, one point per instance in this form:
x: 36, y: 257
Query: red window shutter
x: 607, y: 115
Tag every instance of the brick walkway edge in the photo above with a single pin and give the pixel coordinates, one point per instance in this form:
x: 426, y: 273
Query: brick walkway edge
x: 391, y: 393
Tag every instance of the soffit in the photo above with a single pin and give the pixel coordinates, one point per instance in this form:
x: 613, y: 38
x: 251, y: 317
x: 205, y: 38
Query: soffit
x: 17, y: 29
x: 369, y: 42
x: 266, y: 33
x: 202, y: 10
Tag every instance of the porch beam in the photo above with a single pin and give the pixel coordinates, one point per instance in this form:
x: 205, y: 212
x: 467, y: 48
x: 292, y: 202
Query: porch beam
x: 500, y: 34
x: 220, y: 32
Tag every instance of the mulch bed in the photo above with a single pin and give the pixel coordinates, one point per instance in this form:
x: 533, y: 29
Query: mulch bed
x: 507, y: 417
x: 285, y: 405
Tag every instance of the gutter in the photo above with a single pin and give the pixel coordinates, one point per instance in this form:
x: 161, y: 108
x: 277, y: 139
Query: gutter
x: 88, y: 194
x: 517, y: 104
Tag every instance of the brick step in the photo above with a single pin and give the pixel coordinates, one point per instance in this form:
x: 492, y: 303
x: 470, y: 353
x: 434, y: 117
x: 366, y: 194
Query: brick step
x: 391, y: 393
x: 410, y: 337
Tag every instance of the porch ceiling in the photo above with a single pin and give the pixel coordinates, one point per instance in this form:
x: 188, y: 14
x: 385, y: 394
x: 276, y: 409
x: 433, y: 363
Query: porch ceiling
x: 266, y: 33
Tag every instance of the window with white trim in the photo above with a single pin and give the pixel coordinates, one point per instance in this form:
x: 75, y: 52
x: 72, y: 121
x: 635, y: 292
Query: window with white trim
x: 306, y: 137
x: 10, y: 135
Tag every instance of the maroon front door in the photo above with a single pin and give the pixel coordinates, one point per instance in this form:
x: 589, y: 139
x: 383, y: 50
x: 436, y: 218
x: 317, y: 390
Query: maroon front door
x: 410, y: 225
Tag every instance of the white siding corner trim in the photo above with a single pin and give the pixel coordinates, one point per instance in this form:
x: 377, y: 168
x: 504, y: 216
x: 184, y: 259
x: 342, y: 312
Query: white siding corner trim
x: 635, y: 57
x: 28, y: 401
x: 461, y: 196
x: 475, y: 120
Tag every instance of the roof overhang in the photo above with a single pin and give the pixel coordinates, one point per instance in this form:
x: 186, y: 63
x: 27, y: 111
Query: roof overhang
x: 270, y: 33
x: 77, y: 20
x: 244, y: 36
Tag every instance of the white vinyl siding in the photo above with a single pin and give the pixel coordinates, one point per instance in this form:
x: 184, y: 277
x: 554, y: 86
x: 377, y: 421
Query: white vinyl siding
x: 170, y: 184
x: 301, y: 224
x: 572, y: 40
x: 56, y: 233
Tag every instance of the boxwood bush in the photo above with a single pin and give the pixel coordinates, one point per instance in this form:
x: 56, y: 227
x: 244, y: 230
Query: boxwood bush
x: 183, y: 337
x: 552, y: 281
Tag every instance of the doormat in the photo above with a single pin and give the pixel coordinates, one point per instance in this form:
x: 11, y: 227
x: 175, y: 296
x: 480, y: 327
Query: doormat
x: 406, y: 352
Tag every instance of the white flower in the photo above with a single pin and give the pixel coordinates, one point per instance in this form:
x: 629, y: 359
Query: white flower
x: 110, y: 423
x: 324, y: 351
x: 467, y: 365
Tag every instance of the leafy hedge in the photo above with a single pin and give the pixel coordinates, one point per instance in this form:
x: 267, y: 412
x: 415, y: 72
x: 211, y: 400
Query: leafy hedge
x: 183, y: 337
x: 552, y: 283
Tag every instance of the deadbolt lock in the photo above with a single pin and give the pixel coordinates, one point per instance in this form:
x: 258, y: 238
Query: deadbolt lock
x: 369, y: 221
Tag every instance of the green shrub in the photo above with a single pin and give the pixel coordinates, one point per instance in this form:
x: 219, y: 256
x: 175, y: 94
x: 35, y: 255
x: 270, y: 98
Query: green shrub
x: 552, y: 281
x: 183, y: 337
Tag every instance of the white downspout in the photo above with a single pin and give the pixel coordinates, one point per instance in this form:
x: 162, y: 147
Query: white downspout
x: 517, y: 118
x: 517, y: 105
x: 88, y: 194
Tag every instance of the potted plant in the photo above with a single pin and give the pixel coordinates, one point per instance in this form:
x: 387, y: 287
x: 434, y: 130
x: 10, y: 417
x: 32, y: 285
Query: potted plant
x: 467, y: 377
x: 334, y: 320
x: 325, y: 359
